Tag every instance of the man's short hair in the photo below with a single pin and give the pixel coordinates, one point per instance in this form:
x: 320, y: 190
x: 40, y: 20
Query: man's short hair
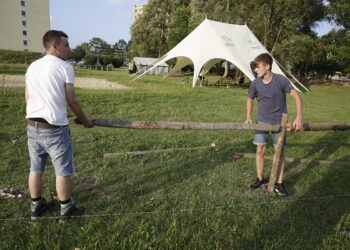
x: 52, y: 36
x: 264, y: 58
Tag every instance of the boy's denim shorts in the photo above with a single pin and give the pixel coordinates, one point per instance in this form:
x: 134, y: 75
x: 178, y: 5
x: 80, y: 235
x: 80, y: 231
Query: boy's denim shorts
x: 262, y: 137
x: 56, y: 143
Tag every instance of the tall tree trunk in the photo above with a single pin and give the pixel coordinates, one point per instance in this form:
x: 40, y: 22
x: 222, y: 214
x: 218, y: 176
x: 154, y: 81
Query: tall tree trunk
x: 226, y: 69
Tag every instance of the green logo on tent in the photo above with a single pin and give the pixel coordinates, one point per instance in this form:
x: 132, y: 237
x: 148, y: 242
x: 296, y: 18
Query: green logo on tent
x: 227, y: 41
x: 253, y: 44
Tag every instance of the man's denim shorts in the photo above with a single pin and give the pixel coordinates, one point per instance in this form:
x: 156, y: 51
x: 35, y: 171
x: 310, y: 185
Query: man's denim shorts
x: 262, y: 137
x: 56, y: 143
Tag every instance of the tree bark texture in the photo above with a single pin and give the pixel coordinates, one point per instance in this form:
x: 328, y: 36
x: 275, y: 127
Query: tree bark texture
x: 210, y: 126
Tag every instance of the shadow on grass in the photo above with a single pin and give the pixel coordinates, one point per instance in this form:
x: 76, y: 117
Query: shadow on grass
x: 310, y: 220
x: 151, y: 174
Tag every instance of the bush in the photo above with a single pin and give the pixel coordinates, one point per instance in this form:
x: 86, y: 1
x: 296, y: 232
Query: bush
x: 117, y: 61
x: 18, y: 57
x: 90, y: 59
x: 78, y: 53
x: 105, y: 59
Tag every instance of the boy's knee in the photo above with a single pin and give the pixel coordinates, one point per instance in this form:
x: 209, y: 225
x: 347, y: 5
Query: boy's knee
x: 260, y: 150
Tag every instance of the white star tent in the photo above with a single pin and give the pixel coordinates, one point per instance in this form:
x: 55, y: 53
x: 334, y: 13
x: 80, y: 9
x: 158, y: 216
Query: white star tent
x: 212, y: 42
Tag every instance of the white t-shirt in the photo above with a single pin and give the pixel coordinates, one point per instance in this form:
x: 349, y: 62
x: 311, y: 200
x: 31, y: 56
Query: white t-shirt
x: 45, y: 82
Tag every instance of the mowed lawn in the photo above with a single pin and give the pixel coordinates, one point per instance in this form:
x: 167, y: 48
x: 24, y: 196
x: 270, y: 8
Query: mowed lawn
x: 196, y: 199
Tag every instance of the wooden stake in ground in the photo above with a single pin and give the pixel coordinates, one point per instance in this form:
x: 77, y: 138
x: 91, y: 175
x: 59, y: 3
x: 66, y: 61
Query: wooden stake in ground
x: 277, y: 156
x: 112, y: 155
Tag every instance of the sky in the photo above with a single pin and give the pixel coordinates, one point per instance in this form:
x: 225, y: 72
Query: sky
x: 109, y: 20
x: 82, y: 20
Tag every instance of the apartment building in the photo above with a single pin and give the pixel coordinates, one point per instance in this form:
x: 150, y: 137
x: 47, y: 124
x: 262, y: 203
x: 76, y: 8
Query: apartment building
x: 23, y: 23
x: 138, y: 10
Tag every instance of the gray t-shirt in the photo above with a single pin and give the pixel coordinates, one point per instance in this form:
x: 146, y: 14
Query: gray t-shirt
x: 271, y: 98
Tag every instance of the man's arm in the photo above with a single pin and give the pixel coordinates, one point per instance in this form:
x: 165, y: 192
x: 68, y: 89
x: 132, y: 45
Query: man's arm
x: 248, y: 118
x: 298, y: 122
x: 75, y: 106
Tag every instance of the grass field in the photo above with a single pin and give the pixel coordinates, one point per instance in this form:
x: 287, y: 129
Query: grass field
x: 180, y: 200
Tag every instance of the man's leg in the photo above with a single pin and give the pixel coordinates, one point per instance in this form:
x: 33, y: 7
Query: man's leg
x: 38, y: 205
x: 63, y: 188
x: 68, y: 207
x: 259, y: 159
x: 35, y: 184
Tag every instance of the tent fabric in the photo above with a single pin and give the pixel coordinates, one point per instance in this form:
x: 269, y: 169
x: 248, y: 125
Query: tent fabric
x: 142, y: 64
x: 212, y: 42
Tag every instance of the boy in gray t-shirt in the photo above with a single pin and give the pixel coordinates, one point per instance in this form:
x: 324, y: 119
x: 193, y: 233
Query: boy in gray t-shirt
x: 270, y: 90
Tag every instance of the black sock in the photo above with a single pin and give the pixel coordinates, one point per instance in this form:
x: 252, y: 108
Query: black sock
x: 65, y: 202
x: 36, y: 199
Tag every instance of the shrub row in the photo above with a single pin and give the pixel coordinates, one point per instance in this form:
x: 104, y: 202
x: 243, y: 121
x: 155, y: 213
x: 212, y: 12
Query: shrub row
x: 16, y: 56
x: 91, y: 59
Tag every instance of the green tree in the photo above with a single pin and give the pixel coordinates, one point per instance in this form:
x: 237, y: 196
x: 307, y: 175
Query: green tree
x: 117, y: 61
x: 338, y: 42
x: 105, y: 60
x: 179, y: 28
x: 120, y: 48
x: 78, y: 53
x: 340, y: 12
x: 100, y: 47
x: 130, y: 51
x: 302, y: 54
x: 271, y: 21
x: 150, y: 31
x: 90, y: 59
x: 218, y: 10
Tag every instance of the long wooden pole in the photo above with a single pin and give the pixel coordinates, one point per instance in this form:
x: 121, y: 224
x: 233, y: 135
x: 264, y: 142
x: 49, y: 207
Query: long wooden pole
x: 112, y: 155
x: 179, y: 125
x: 277, y: 156
x: 209, y: 126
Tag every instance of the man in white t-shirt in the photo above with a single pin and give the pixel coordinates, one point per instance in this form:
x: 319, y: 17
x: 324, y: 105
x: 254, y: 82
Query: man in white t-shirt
x: 49, y: 86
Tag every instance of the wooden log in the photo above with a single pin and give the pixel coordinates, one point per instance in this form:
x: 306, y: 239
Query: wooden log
x: 277, y: 156
x: 178, y: 125
x: 292, y: 159
x: 111, y: 155
x: 322, y: 126
x: 209, y: 126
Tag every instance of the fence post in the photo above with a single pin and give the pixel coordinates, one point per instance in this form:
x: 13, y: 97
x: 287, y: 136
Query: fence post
x: 277, y: 155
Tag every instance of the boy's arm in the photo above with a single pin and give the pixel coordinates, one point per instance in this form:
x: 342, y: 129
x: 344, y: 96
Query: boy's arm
x: 248, y: 118
x: 298, y: 122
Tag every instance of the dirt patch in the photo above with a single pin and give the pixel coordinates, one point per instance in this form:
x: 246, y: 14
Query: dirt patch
x: 80, y: 82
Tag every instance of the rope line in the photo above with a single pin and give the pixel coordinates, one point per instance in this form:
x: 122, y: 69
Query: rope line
x: 189, y: 209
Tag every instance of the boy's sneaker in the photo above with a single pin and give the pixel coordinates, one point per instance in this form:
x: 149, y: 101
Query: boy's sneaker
x: 39, y: 208
x: 258, y: 183
x: 71, y: 211
x: 280, y: 190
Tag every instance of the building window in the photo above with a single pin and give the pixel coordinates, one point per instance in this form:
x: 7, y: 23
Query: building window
x: 23, y: 13
x: 25, y: 42
x: 24, y: 23
x: 23, y: 3
x: 24, y: 33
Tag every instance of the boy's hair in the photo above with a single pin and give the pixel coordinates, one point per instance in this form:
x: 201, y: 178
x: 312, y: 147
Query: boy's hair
x: 52, y: 36
x: 264, y: 58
